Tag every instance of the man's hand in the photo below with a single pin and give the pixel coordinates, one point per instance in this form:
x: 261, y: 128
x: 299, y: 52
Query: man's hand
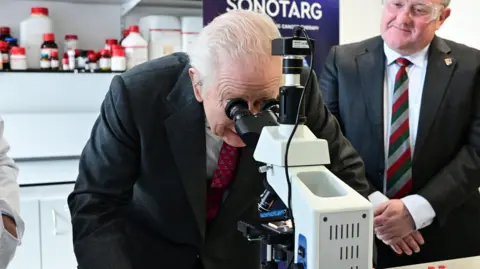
x: 410, y: 244
x: 10, y: 225
x: 392, y: 221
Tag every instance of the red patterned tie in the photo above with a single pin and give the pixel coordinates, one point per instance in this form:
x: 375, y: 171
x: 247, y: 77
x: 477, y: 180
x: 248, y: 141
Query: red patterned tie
x: 224, y: 175
x: 399, y: 173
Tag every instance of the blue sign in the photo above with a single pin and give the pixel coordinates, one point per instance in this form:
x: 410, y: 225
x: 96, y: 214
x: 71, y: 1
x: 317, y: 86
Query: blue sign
x: 319, y: 17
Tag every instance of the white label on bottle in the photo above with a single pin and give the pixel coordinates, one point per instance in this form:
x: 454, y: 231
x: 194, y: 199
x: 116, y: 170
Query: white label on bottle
x: 81, y: 62
x: 4, y: 57
x: 54, y: 63
x: 136, y: 55
x: 45, y: 58
x: 164, y: 42
x: 70, y: 44
x: 105, y: 63
x: 93, y: 66
x: 65, y: 67
x: 118, y: 63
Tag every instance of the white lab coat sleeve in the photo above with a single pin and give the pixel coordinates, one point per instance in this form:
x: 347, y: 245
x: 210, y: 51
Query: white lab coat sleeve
x: 9, y: 200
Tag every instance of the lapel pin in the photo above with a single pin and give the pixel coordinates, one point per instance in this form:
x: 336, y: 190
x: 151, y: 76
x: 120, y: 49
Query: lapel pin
x: 448, y: 61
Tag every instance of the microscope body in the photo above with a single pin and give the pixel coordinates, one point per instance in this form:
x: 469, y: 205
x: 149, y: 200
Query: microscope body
x: 333, y: 223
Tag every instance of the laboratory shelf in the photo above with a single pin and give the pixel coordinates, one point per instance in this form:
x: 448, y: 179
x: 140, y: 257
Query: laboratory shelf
x: 128, y: 5
x: 50, y: 114
x: 51, y: 92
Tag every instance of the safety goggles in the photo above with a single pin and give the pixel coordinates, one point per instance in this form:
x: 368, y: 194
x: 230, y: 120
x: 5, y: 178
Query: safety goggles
x: 423, y: 11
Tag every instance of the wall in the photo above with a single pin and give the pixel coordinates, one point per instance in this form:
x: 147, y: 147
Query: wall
x: 359, y: 19
x: 463, y: 24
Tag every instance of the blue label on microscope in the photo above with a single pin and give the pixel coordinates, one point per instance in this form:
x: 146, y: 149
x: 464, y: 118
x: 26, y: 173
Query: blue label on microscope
x: 274, y: 213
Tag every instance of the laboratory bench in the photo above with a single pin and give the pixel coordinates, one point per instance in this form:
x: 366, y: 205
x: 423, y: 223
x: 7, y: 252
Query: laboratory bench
x: 465, y: 263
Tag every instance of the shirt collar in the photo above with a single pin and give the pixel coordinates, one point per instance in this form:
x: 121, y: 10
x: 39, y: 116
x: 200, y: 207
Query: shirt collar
x: 418, y: 59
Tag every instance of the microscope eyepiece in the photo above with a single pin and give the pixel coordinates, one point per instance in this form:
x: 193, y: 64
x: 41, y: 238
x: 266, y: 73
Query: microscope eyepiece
x: 248, y: 125
x: 272, y: 105
x: 237, y: 108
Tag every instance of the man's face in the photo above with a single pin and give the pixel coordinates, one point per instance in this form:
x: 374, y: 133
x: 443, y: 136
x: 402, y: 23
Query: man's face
x: 408, y: 26
x: 253, y: 84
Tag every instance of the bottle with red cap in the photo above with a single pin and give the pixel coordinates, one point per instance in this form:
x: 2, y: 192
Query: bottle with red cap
x: 4, y: 33
x: 109, y: 43
x: 31, y: 34
x: 5, y: 54
x: 54, y: 61
x: 118, y: 60
x: 47, y: 49
x: 136, y: 47
x: 65, y: 63
x: 124, y: 35
x: 105, y: 60
x: 18, y: 58
x: 4, y: 64
x: 71, y: 42
x: 92, y: 61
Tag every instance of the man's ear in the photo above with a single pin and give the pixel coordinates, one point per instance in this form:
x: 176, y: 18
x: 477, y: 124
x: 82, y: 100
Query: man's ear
x: 443, y: 17
x: 196, y: 84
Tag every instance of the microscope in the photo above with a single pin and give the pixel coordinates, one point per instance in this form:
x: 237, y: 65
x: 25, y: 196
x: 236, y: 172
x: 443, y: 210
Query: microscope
x: 321, y: 223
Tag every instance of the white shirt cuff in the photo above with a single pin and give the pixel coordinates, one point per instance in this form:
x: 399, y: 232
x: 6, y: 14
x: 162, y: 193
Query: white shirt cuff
x: 420, y: 210
x: 5, y: 209
x: 377, y: 198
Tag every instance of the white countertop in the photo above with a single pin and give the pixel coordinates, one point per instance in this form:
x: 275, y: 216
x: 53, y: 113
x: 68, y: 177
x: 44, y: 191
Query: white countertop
x: 466, y: 263
x: 47, y: 171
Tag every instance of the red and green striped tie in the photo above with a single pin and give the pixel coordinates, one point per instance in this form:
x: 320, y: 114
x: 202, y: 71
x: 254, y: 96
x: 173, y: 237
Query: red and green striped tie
x: 399, y: 172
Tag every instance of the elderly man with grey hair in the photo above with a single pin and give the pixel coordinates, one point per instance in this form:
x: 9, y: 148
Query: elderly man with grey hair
x: 417, y: 97
x: 164, y: 178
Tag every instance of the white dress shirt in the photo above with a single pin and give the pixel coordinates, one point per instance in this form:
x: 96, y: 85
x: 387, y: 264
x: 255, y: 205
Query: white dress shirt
x: 420, y: 209
x: 214, y: 144
x: 9, y: 202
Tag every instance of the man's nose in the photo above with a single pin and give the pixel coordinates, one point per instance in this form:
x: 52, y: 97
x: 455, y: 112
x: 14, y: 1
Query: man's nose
x: 404, y: 16
x: 253, y: 108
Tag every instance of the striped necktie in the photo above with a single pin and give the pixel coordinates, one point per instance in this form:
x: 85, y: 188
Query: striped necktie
x: 399, y: 172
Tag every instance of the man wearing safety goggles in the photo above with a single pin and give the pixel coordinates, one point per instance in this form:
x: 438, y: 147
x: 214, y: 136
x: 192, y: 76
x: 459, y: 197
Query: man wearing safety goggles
x: 409, y: 102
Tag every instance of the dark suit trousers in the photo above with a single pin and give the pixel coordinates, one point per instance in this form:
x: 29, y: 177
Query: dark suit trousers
x: 198, y: 265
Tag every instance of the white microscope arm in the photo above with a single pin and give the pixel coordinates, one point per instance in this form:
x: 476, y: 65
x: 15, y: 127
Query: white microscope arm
x: 333, y: 223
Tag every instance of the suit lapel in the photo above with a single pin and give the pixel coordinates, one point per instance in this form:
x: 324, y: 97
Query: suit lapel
x: 371, y: 72
x: 186, y: 133
x: 439, y: 72
x: 247, y: 187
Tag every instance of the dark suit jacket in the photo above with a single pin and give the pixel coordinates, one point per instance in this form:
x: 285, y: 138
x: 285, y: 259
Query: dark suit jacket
x: 446, y: 162
x: 140, y: 197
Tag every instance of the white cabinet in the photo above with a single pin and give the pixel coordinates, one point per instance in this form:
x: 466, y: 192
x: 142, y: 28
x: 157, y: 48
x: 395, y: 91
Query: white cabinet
x: 47, y: 242
x: 56, y: 232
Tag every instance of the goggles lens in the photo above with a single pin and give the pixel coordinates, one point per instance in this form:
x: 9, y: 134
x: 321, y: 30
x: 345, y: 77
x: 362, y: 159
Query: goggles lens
x: 423, y: 11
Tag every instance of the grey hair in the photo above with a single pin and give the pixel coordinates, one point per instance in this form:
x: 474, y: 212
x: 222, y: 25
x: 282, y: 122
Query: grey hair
x: 237, y: 36
x: 445, y: 3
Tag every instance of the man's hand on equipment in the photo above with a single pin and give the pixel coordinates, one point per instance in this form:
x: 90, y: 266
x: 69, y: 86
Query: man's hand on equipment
x: 409, y: 244
x: 9, y: 225
x: 392, y: 221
